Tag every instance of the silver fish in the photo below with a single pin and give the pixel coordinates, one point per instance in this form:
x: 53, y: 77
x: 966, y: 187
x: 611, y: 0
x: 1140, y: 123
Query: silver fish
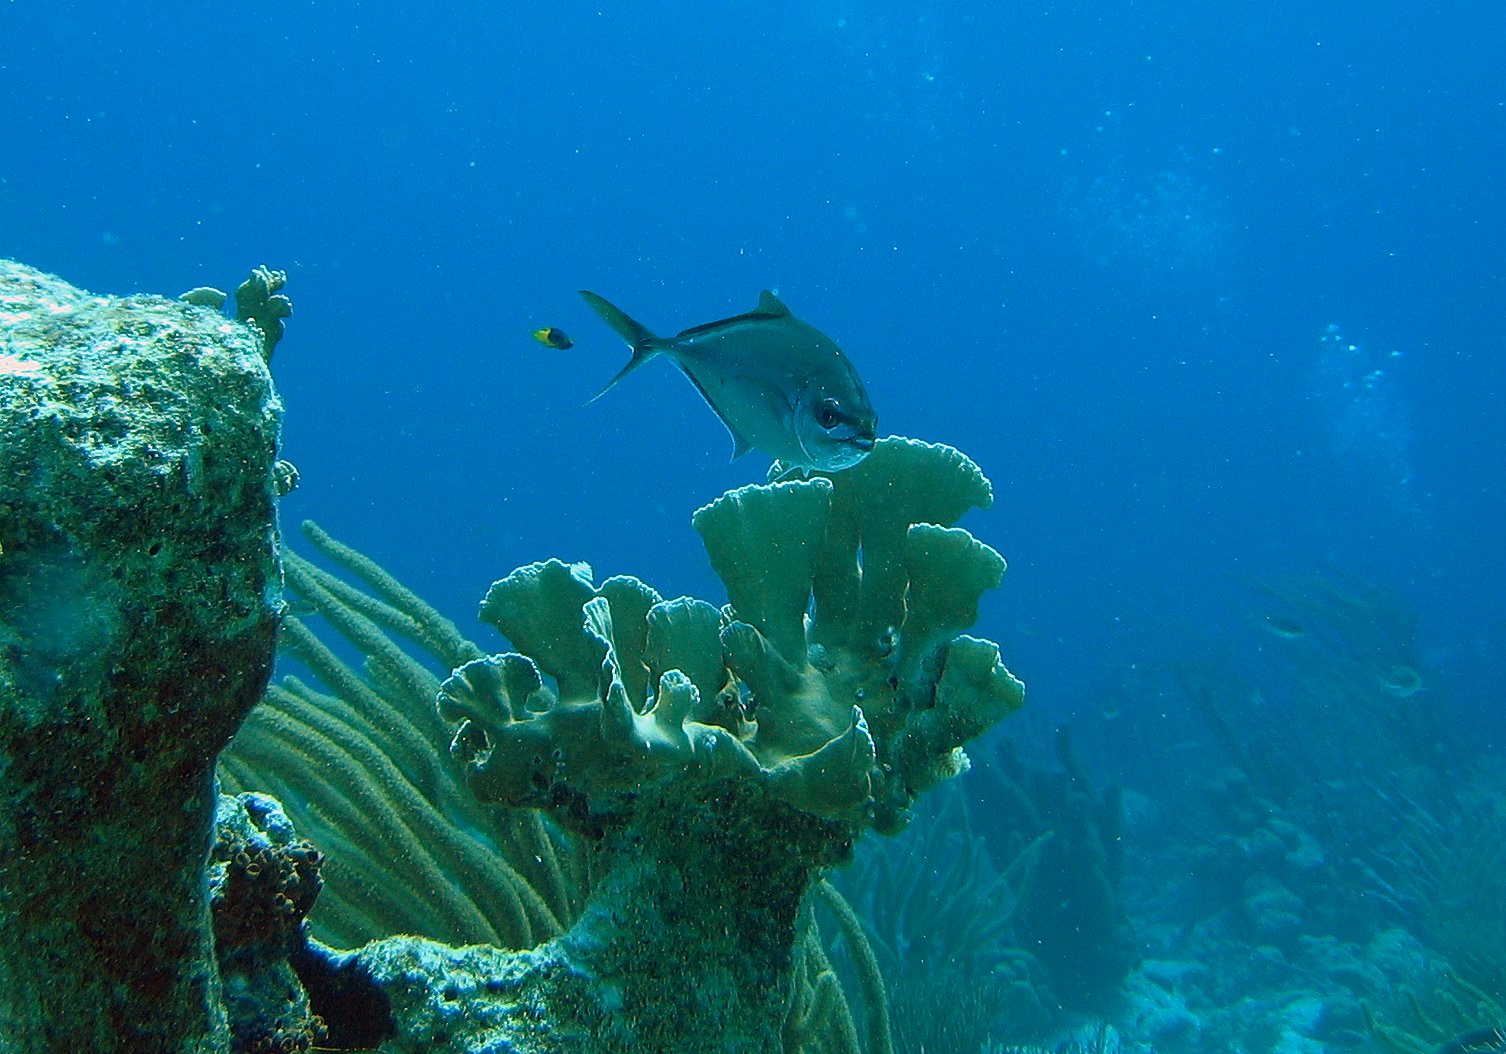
x: 779, y: 385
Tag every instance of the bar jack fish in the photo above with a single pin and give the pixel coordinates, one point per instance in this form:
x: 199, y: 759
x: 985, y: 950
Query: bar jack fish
x: 780, y: 385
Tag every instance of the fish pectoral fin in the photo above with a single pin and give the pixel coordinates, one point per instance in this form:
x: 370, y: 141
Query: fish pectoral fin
x: 740, y: 444
x: 769, y: 304
x: 782, y: 471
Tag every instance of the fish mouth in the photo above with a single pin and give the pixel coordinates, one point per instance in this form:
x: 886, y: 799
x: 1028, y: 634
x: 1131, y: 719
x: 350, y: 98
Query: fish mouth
x: 863, y: 442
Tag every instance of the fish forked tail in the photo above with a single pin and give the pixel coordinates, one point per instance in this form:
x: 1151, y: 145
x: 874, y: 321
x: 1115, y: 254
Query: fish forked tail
x: 638, y: 336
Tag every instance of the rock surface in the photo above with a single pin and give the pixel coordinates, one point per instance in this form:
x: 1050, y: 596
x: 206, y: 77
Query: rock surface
x: 139, y: 597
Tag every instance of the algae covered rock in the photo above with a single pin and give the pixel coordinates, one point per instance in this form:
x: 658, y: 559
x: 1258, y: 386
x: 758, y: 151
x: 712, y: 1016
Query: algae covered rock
x: 139, y: 596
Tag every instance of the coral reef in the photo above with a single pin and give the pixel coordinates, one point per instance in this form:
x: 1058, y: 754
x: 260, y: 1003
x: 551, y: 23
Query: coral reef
x: 865, y: 965
x: 1444, y: 874
x: 362, y: 772
x: 1070, y: 918
x: 1346, y: 650
x: 715, y: 761
x: 939, y: 914
x: 139, y: 596
x: 1311, y: 873
x: 412, y: 850
x: 1006, y: 925
x: 847, y: 716
x: 263, y: 879
x: 1440, y: 1012
x: 259, y: 300
x: 720, y: 760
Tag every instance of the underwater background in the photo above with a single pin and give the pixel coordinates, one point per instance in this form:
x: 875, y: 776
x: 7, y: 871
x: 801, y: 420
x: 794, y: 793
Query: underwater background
x: 1213, y: 293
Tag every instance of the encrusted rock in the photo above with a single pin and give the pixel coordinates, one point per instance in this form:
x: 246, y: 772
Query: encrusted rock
x: 139, y: 597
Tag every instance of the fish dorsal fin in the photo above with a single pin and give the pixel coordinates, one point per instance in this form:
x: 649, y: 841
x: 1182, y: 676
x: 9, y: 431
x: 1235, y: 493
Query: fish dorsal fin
x: 769, y: 309
x: 769, y: 304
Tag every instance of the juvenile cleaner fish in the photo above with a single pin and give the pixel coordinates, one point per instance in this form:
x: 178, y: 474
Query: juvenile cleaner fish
x: 780, y: 386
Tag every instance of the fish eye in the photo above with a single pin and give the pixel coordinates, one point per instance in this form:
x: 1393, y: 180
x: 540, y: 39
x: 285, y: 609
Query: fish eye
x: 828, y: 414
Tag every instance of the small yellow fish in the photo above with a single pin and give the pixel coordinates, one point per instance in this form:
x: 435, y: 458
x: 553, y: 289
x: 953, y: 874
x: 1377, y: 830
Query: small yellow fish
x: 553, y: 338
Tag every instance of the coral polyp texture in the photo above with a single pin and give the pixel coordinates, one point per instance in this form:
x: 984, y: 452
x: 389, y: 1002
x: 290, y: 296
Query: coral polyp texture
x: 837, y: 677
x: 721, y: 759
x: 139, y: 597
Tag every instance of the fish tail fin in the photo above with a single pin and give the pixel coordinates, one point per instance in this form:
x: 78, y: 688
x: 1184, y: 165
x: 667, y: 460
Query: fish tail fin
x: 627, y: 328
x: 638, y: 336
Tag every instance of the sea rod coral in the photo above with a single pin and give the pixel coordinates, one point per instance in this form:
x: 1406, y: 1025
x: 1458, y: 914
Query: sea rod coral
x: 720, y: 758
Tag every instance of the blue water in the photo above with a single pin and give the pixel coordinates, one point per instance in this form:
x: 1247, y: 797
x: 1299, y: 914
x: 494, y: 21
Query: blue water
x: 1213, y: 292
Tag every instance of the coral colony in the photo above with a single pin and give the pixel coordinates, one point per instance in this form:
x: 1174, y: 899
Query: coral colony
x: 710, y: 762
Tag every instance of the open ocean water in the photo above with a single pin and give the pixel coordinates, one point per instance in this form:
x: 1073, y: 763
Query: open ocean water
x: 1212, y: 292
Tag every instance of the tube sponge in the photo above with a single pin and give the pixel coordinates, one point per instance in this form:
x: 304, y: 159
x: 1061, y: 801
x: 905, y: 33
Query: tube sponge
x: 838, y: 675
